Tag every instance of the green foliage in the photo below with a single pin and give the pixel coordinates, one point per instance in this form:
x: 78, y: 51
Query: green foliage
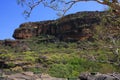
x: 11, y: 64
x: 7, y: 57
x: 71, y: 66
x: 65, y: 62
x: 3, y: 51
x: 29, y: 56
x: 29, y: 59
x: 36, y: 70
x: 107, y: 68
x: 65, y: 70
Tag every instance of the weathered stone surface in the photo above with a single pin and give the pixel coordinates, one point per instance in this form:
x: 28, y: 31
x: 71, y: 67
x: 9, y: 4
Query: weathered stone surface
x: 99, y: 76
x: 1, y: 42
x: 74, y: 27
x: 31, y: 76
x: 18, y: 45
x: 71, y: 27
x: 83, y: 76
x: 11, y: 43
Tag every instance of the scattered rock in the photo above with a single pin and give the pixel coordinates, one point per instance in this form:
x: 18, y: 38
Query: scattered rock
x: 31, y: 76
x: 99, y: 76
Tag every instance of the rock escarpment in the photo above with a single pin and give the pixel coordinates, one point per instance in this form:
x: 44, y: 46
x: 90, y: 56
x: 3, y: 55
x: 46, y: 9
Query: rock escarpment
x: 71, y: 27
x: 74, y: 27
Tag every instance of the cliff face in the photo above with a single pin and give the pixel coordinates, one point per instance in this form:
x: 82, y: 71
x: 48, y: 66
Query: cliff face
x: 74, y: 27
x: 71, y: 27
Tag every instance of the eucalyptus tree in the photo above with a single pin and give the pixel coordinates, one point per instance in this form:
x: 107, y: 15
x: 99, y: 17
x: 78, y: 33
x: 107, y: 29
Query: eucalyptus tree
x: 62, y: 6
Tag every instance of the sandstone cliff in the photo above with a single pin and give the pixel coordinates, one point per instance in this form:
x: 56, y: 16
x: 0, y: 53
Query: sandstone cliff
x: 71, y: 27
x: 74, y: 27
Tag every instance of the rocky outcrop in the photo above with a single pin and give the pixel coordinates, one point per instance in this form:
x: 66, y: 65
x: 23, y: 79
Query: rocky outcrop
x: 11, y: 43
x: 20, y: 45
x: 74, y: 27
x: 99, y: 76
x: 71, y: 27
x: 83, y: 76
x: 30, y: 76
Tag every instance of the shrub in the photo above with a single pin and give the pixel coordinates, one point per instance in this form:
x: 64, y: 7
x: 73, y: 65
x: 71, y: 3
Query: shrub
x: 7, y: 57
x: 17, y: 69
x: 59, y: 70
x: 36, y: 70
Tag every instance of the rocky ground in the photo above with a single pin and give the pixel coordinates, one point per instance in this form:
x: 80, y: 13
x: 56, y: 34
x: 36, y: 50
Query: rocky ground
x: 83, y: 76
x: 29, y: 76
x: 99, y: 76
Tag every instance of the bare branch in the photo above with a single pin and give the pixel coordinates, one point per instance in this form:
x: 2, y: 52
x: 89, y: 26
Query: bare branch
x: 65, y: 5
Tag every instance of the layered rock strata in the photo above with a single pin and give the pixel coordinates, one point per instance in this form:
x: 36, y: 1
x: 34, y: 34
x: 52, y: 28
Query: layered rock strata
x: 71, y: 27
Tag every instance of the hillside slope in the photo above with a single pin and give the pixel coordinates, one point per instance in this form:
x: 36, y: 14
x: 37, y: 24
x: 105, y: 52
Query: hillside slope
x: 66, y: 47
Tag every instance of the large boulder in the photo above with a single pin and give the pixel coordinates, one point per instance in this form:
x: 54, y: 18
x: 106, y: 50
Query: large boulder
x: 99, y: 76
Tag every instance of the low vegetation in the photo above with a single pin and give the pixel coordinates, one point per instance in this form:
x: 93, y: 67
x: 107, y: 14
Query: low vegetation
x: 67, y: 59
x: 60, y: 61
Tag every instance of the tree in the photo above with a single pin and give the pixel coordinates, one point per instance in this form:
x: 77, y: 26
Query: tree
x: 62, y: 6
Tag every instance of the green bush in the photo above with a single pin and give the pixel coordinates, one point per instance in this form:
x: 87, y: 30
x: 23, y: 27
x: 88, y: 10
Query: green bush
x: 7, y: 57
x: 60, y: 70
x: 11, y: 64
x: 35, y: 70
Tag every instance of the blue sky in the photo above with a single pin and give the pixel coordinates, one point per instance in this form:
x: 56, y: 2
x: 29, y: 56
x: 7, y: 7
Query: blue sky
x: 11, y: 15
